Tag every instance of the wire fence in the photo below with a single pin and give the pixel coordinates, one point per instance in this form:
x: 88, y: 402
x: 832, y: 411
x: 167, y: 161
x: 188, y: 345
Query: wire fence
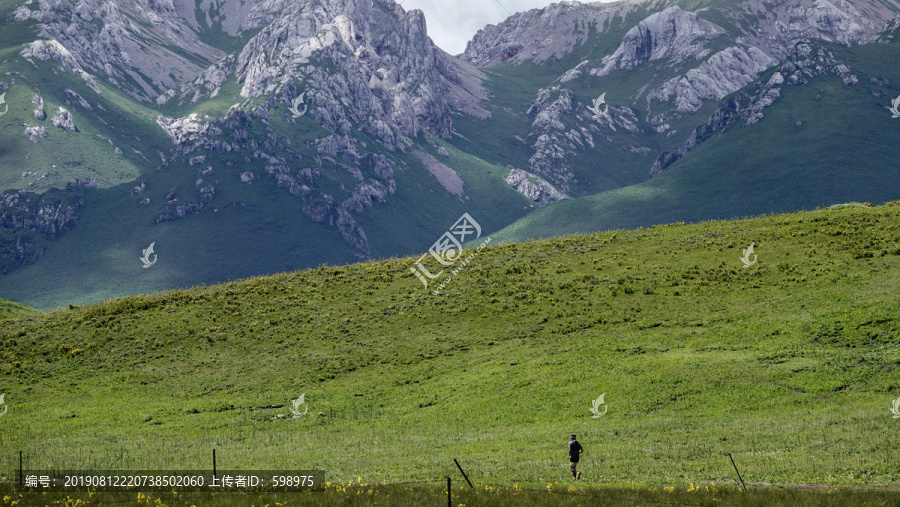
x: 592, y: 494
x: 646, y: 466
x: 474, y: 470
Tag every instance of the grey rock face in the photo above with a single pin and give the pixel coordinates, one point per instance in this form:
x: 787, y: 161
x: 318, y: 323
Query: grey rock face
x: 39, y: 113
x: 548, y: 132
x: 362, y: 65
x: 359, y: 64
x: 672, y: 35
x: 179, y: 211
x: 129, y: 41
x: 34, y: 132
x: 185, y: 129
x: 720, y: 75
x: 52, y: 50
x: 74, y: 98
x: 63, y: 119
x: 533, y: 187
x: 87, y: 183
x: 773, y: 26
x: 540, y: 34
x: 375, y: 88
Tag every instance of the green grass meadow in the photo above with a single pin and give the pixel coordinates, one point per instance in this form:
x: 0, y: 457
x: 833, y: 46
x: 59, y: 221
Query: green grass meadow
x: 790, y: 365
x: 422, y: 493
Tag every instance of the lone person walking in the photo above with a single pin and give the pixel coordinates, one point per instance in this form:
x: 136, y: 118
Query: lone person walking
x: 575, y: 451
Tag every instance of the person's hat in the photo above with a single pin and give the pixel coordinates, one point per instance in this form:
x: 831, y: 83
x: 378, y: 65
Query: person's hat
x: 572, y: 437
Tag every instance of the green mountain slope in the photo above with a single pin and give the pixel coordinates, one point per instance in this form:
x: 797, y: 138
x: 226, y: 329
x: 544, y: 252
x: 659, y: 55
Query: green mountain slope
x: 243, y: 229
x: 110, y: 121
x: 10, y: 310
x: 247, y: 230
x: 790, y: 364
x: 819, y: 144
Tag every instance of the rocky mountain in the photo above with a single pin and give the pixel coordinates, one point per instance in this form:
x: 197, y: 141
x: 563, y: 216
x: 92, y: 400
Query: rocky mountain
x: 356, y: 83
x: 281, y: 135
x: 359, y: 66
x: 693, y: 53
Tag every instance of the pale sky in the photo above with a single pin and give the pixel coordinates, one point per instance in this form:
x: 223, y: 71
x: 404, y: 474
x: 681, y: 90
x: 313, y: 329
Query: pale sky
x: 452, y: 23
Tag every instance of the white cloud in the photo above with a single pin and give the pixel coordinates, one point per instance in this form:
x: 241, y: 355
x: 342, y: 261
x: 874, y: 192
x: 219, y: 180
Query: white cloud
x: 451, y: 24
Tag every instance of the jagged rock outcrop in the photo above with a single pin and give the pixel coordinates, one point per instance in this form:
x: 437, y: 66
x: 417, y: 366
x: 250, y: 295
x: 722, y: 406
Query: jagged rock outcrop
x: 547, y: 130
x: 747, y: 107
x: 185, y: 129
x: 672, y: 35
x: 723, y: 73
x: 540, y: 34
x: 179, y: 211
x: 51, y: 50
x: 555, y: 144
x: 75, y: 98
x: 339, y: 217
x: 773, y: 26
x: 48, y: 214
x: 25, y: 250
x: 87, y: 183
x: 141, y: 46
x: 720, y: 120
x: 533, y: 187
x: 63, y: 119
x: 384, y: 96
x: 359, y: 64
x: 39, y: 113
x: 35, y: 132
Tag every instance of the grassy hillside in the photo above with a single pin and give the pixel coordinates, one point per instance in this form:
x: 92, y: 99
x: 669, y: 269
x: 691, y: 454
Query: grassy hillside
x: 111, y: 121
x: 246, y: 230
x: 10, y: 310
x: 790, y: 365
x: 819, y: 144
